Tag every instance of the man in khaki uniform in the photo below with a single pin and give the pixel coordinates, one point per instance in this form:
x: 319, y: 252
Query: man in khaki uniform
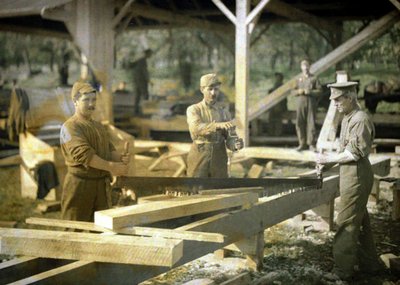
x: 307, y: 90
x: 353, y: 246
x: 211, y: 130
x: 90, y: 158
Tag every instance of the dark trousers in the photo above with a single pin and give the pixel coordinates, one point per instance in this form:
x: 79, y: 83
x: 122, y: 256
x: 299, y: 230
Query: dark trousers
x: 82, y: 197
x: 305, y: 120
x: 208, y: 160
x: 353, y: 244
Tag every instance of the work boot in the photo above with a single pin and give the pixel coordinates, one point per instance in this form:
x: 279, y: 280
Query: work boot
x: 301, y: 147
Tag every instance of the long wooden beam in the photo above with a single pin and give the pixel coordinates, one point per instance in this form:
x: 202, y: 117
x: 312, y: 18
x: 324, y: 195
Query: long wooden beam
x: 372, y: 31
x: 124, y: 10
x: 164, y: 210
x: 171, y: 17
x: 228, y: 13
x: 288, y: 11
x: 278, y: 153
x: 139, y: 231
x: 396, y: 3
x: 26, y: 7
x: 90, y: 247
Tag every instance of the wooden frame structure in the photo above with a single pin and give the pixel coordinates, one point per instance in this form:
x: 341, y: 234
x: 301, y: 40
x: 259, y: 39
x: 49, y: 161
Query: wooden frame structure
x: 85, y: 20
x: 170, y: 248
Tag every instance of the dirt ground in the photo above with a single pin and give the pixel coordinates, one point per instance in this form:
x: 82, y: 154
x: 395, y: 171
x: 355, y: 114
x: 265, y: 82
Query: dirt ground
x: 293, y: 254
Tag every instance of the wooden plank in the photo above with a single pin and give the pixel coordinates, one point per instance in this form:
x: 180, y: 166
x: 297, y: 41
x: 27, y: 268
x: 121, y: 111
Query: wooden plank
x: 44, y: 277
x: 256, y: 171
x: 139, y: 231
x: 26, y: 7
x: 175, y: 208
x: 279, y: 153
x: 374, y: 30
x: 25, y: 266
x: 90, y: 247
x: 329, y: 127
x: 396, y: 4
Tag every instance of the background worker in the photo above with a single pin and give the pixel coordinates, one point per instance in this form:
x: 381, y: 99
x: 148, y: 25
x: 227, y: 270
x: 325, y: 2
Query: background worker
x: 212, y: 131
x: 307, y: 90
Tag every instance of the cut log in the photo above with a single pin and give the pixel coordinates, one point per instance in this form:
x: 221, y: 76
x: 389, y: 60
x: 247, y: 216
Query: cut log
x: 90, y: 247
x: 165, y: 210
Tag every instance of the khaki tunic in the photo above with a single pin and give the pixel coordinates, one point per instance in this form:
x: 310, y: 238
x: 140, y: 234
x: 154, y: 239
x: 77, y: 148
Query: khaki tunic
x: 353, y: 244
x: 84, y: 190
x: 306, y: 109
x: 207, y: 156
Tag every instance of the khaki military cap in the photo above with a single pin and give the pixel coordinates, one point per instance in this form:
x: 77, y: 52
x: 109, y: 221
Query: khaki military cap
x: 209, y: 80
x: 81, y: 88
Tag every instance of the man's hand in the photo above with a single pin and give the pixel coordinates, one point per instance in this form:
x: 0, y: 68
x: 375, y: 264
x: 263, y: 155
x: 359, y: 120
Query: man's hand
x: 300, y: 91
x: 119, y: 168
x: 326, y: 158
x: 125, y: 158
x: 224, y: 125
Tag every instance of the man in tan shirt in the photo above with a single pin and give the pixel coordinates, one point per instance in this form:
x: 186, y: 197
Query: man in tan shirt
x: 354, y: 250
x: 212, y: 131
x: 90, y: 158
x: 307, y: 90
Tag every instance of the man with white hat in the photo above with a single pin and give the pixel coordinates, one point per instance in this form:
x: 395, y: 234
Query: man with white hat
x: 353, y: 246
x: 211, y: 130
x: 90, y: 158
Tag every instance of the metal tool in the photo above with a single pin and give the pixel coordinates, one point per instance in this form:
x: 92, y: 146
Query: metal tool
x: 271, y: 185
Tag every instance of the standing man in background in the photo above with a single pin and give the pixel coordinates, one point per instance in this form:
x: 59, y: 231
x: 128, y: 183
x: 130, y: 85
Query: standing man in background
x: 141, y: 79
x: 90, y: 158
x: 212, y: 131
x: 353, y: 245
x: 307, y: 90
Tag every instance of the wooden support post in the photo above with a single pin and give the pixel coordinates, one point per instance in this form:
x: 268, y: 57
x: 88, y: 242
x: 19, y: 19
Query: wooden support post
x: 396, y: 201
x: 86, y: 20
x: 326, y: 212
x: 255, y: 258
x: 242, y: 69
x: 327, y: 135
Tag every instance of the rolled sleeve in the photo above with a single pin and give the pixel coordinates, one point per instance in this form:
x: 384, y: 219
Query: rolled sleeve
x: 196, y: 126
x: 360, y: 140
x: 76, y: 146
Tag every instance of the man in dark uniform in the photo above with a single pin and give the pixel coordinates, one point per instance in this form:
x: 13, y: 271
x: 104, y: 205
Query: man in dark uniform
x: 353, y: 246
x: 90, y: 158
x: 307, y: 89
x: 141, y: 79
x: 274, y: 125
x: 212, y: 131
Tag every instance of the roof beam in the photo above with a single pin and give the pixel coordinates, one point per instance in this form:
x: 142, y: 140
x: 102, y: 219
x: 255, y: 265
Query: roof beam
x: 228, y: 13
x: 124, y: 10
x: 374, y: 30
x: 396, y: 4
x: 20, y: 8
x: 281, y: 8
x: 170, y: 17
x: 256, y: 11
